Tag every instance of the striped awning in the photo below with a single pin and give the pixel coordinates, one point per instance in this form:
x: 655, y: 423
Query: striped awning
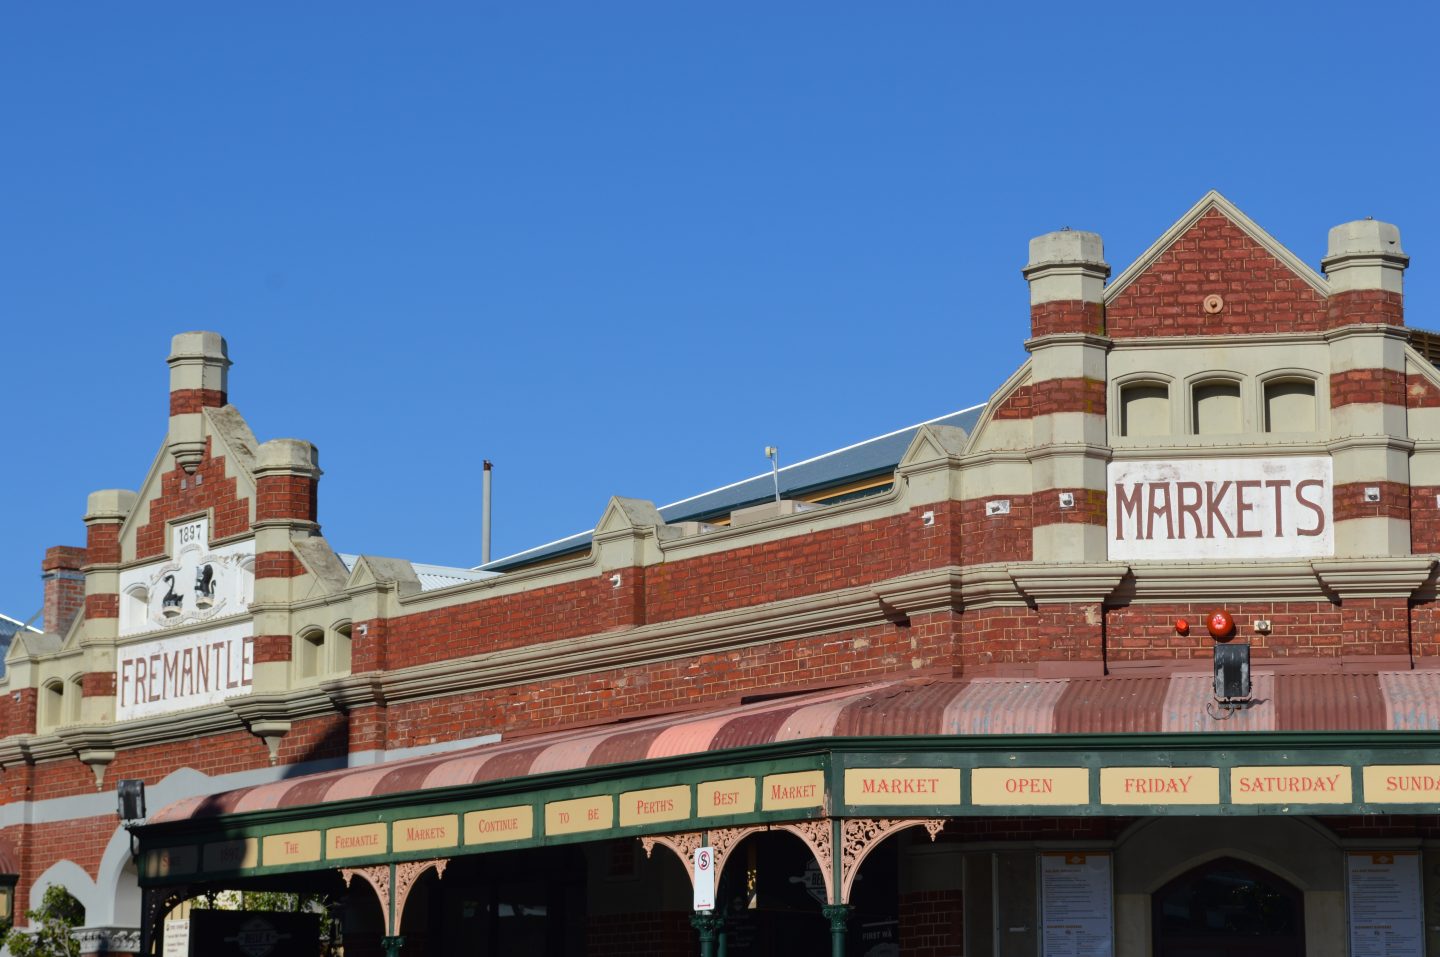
x: 1168, y: 703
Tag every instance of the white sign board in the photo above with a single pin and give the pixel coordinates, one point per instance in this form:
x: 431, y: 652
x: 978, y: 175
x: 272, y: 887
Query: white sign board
x: 704, y: 878
x: 196, y: 583
x: 1075, y: 915
x: 183, y: 671
x: 1385, y: 908
x: 1221, y: 509
x: 177, y: 939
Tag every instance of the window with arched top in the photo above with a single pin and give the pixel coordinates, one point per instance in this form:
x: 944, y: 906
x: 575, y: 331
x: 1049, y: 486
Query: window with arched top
x: 310, y: 654
x: 1216, y: 408
x: 1290, y: 405
x: 74, y: 696
x: 51, y: 710
x: 340, y: 663
x: 1145, y: 409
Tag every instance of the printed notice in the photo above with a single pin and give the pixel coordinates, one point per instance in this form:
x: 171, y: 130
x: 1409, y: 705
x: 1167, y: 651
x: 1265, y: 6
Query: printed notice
x: 1385, y: 915
x: 1075, y: 904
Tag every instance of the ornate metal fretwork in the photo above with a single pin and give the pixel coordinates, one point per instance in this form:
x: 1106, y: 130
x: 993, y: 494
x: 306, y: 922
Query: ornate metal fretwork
x: 816, y: 835
x: 861, y: 835
x: 724, y: 839
x: 406, y: 875
x: 681, y: 845
x: 378, y: 877
x: 158, y: 903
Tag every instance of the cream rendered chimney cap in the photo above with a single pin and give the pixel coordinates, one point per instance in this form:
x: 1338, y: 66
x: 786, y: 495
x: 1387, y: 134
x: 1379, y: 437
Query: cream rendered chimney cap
x: 110, y: 503
x: 287, y: 455
x: 1067, y: 246
x: 198, y: 345
x: 1365, y: 237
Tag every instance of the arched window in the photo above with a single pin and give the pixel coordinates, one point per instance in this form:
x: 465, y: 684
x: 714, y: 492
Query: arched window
x: 310, y: 654
x: 1290, y: 405
x: 52, y: 704
x: 1216, y: 408
x: 134, y: 608
x: 1145, y: 409
x: 74, y: 695
x: 1227, y: 906
x: 340, y: 659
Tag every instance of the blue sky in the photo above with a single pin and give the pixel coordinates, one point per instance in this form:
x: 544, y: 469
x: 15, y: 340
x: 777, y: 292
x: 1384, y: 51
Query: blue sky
x: 619, y: 248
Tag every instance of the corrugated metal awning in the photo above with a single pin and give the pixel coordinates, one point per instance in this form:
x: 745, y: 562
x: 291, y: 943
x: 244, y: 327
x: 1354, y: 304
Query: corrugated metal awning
x: 1170, y: 703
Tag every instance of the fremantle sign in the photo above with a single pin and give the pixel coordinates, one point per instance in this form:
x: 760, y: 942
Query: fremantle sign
x: 1219, y: 509
x: 183, y: 671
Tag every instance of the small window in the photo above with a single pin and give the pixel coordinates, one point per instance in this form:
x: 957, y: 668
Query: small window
x: 247, y: 583
x: 52, y: 704
x: 1145, y: 409
x: 1217, y: 409
x: 310, y: 654
x: 1290, y: 405
x: 341, y: 663
x: 134, y: 608
x: 74, y: 695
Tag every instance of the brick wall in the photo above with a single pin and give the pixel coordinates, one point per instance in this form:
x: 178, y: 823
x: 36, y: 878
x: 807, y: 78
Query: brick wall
x: 661, y: 933
x: 208, y: 488
x: 932, y: 923
x: 1262, y: 294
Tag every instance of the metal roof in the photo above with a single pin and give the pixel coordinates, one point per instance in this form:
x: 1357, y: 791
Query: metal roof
x: 872, y: 457
x: 432, y: 576
x: 1165, y: 703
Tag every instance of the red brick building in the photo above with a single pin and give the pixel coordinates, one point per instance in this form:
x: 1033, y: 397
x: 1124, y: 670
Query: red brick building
x: 954, y: 694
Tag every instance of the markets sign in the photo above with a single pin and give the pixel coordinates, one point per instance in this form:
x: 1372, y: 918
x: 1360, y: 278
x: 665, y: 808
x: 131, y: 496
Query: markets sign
x: 1221, y: 509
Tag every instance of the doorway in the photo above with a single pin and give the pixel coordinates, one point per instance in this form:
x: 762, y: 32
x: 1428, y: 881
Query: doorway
x: 1228, y: 907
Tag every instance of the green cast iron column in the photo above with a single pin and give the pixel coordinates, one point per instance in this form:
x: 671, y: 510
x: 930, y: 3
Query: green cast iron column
x: 837, y: 915
x: 708, y: 925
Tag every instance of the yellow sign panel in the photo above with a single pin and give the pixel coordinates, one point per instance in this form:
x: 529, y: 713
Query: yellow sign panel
x: 426, y: 833
x: 302, y: 847
x: 500, y: 824
x: 356, y: 841
x: 232, y: 855
x: 1029, y: 786
x: 1290, y: 784
x: 166, y: 861
x: 783, y: 792
x: 1402, y: 783
x: 731, y: 796
x: 580, y: 814
x: 897, y: 786
x: 655, y: 805
x: 1159, y: 785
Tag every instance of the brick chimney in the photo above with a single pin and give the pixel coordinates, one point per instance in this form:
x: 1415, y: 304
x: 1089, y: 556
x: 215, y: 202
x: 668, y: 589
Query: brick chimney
x: 198, y: 367
x: 64, y: 586
x: 1366, y: 269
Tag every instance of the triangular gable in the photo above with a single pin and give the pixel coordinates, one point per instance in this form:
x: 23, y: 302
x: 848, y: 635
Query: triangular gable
x: 622, y: 514
x: 228, y: 438
x: 1215, y: 250
x: 933, y: 442
x: 371, y: 570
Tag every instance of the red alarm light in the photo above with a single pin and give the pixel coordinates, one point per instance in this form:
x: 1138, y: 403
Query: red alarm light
x: 1220, y: 624
x: 1182, y: 626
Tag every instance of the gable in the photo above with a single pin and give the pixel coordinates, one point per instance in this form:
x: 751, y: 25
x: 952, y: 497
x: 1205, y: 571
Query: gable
x: 1220, y: 253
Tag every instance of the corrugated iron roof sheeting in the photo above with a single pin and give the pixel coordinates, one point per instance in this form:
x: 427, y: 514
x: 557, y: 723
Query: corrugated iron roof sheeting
x: 1376, y: 701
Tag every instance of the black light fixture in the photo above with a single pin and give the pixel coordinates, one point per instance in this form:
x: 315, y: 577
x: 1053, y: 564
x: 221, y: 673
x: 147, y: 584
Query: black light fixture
x: 131, y: 794
x: 1232, y: 679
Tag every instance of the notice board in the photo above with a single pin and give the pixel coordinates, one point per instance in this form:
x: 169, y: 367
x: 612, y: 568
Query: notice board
x: 1386, y: 915
x: 1075, y: 904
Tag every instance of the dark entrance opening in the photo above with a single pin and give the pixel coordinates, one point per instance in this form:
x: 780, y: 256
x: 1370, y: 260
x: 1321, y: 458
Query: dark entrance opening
x: 1231, y: 908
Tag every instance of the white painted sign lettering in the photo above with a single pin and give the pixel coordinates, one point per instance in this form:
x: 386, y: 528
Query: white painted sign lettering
x: 1218, y: 509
